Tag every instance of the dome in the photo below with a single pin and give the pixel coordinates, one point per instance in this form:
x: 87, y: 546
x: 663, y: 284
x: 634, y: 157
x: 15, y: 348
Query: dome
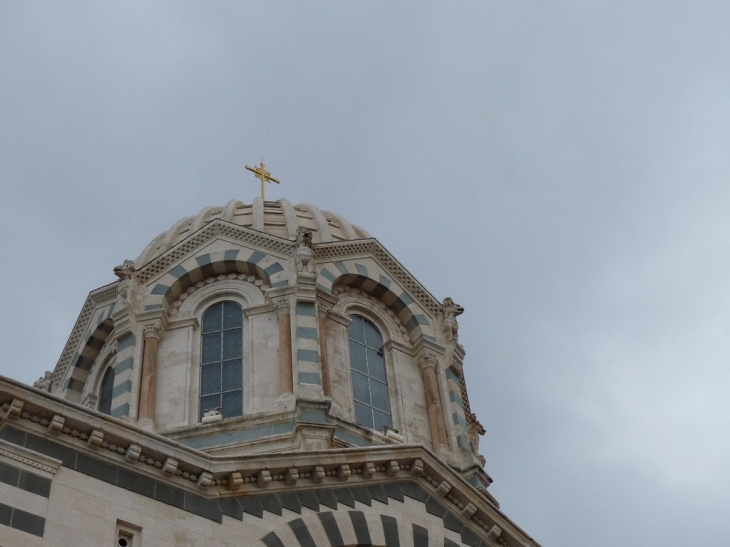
x: 278, y: 218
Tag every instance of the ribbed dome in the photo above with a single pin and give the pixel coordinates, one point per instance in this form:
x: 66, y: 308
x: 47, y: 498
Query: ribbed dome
x: 279, y: 218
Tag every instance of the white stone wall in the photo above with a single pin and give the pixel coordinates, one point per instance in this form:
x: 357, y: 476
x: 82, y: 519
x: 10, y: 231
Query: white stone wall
x: 178, y: 360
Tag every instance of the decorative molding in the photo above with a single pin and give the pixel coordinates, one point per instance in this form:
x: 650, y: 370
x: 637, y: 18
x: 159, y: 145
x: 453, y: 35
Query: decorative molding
x: 96, y: 437
x: 28, y: 457
x: 357, y: 466
x: 170, y: 466
x: 428, y: 359
x: 350, y: 297
x: 153, y: 330
x: 334, y: 250
x: 14, y: 409
x: 283, y: 307
x: 249, y: 278
x: 217, y: 227
x: 56, y: 424
x: 204, y: 480
x: 104, y: 295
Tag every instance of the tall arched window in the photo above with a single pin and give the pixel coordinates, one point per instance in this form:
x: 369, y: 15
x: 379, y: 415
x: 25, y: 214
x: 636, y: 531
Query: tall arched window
x: 369, y: 381
x: 221, y: 371
x: 106, y: 392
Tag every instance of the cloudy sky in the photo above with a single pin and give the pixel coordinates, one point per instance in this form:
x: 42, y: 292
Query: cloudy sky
x: 558, y: 168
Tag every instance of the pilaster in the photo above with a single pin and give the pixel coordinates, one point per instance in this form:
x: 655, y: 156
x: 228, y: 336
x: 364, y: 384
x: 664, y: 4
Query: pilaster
x: 152, y: 334
x: 308, y: 363
x: 324, y: 305
x: 428, y: 362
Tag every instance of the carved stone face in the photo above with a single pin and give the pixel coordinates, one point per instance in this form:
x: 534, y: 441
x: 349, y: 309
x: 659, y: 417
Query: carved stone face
x: 125, y: 270
x: 305, y: 237
x: 451, y: 308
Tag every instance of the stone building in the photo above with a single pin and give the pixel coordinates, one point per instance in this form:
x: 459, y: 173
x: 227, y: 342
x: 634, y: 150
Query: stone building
x: 262, y: 374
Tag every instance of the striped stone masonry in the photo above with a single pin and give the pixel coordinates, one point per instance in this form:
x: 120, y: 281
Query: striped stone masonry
x: 247, y: 487
x: 123, y: 368
x: 307, y: 344
x: 355, y: 274
x: 195, y: 269
x: 25, y: 486
x: 398, y: 512
x: 457, y: 408
x: 93, y: 339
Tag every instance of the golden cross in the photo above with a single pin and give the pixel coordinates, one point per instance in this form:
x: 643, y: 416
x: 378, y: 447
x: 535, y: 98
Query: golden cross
x: 261, y: 173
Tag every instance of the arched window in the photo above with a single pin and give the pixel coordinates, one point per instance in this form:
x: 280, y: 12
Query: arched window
x: 106, y: 392
x: 369, y: 381
x: 221, y: 371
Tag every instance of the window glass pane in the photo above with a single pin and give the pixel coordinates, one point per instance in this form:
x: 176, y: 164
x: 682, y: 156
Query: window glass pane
x: 369, y: 379
x: 357, y: 357
x: 376, y: 365
x: 232, y: 404
x: 211, y: 347
x: 232, y: 315
x: 360, y: 387
x: 212, y: 318
x: 210, y: 379
x: 209, y: 403
x: 105, y: 396
x: 380, y: 395
x: 232, y: 374
x: 232, y: 343
x: 372, y: 336
x: 363, y: 415
x: 381, y: 419
x: 221, y: 375
x: 354, y: 331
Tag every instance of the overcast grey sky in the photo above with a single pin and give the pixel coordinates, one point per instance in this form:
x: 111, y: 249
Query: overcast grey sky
x: 559, y: 168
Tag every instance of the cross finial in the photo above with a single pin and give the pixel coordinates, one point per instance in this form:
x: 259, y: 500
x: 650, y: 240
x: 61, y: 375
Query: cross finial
x: 261, y: 173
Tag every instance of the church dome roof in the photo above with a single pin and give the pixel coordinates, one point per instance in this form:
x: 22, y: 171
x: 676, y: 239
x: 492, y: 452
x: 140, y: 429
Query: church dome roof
x: 278, y: 218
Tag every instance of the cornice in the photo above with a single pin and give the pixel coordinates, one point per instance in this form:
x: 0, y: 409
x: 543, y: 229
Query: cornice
x: 28, y: 458
x: 98, y: 435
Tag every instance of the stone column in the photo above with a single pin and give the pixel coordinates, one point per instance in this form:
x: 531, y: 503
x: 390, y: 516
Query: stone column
x: 322, y: 324
x: 286, y: 380
x: 428, y: 363
x: 152, y: 335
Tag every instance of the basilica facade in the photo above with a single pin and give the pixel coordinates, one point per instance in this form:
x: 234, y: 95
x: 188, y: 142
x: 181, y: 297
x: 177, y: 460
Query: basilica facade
x: 262, y: 374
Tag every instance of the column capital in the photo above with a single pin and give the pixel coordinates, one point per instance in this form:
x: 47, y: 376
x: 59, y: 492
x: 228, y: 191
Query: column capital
x: 283, y: 307
x: 428, y: 359
x: 153, y: 330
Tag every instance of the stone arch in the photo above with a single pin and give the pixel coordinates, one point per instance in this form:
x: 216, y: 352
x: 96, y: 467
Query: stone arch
x: 351, y: 300
x: 253, y: 287
x: 352, y: 528
x: 196, y: 269
x: 384, y: 289
x: 106, y: 358
x: 84, y: 359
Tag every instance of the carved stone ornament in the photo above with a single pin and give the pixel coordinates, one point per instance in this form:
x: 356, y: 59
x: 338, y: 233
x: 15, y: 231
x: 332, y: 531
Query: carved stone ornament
x: 428, y: 359
x: 476, y: 429
x: 282, y: 307
x: 451, y: 311
x: 128, y: 288
x: 304, y: 252
x: 44, y: 382
x: 152, y: 331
